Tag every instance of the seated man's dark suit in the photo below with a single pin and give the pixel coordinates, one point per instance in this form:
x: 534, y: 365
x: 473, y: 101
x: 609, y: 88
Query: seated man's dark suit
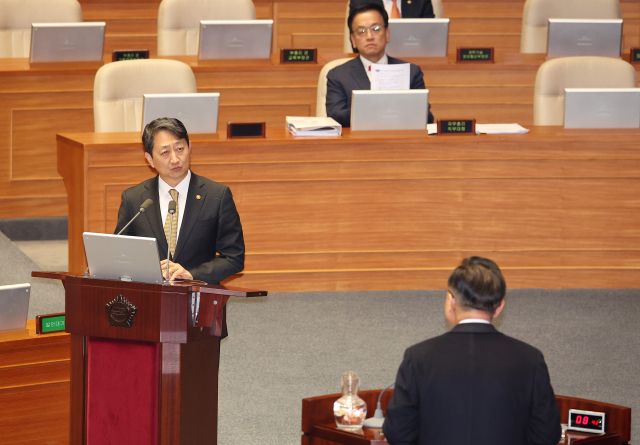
x: 414, y: 9
x: 210, y: 224
x: 343, y: 79
x: 473, y: 386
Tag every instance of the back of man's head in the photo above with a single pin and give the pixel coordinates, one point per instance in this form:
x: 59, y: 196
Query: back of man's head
x: 170, y: 124
x: 364, y: 7
x: 478, y: 284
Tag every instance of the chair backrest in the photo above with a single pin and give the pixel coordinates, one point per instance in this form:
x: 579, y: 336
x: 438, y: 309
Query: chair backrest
x: 575, y: 72
x: 536, y: 15
x: 438, y: 11
x: 16, y: 17
x: 321, y: 101
x: 119, y: 86
x: 179, y: 22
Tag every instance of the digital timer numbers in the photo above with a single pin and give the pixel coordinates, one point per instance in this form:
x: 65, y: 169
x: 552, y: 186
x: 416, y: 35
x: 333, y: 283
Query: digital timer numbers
x: 587, y: 421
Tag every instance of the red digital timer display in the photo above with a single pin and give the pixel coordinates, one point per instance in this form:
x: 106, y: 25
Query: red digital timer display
x: 586, y: 421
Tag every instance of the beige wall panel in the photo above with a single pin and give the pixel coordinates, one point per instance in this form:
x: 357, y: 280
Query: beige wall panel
x: 447, y: 260
x: 123, y: 41
x: 21, y: 419
x: 34, y: 139
x: 264, y: 11
x: 274, y: 115
x: 481, y: 95
x: 485, y: 113
x: 478, y: 25
x: 320, y: 39
x: 268, y: 96
x: 119, y: 11
x: 501, y: 10
x: 351, y: 281
x: 304, y: 77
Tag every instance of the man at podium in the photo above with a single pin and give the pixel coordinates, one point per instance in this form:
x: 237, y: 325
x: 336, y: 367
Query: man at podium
x: 473, y: 385
x: 206, y: 240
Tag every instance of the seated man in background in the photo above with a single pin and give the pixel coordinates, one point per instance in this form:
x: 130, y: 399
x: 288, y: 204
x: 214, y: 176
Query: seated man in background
x: 206, y: 221
x: 405, y: 9
x: 473, y: 385
x: 368, y: 24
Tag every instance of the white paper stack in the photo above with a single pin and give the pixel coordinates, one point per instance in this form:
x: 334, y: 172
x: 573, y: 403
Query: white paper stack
x: 313, y: 126
x: 500, y: 129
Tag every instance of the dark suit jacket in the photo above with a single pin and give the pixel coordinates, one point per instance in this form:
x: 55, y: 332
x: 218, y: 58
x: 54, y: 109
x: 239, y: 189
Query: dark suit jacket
x: 473, y: 385
x: 210, y: 224
x: 343, y: 79
x: 416, y: 9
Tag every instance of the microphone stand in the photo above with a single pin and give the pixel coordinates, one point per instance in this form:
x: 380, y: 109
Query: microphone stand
x: 378, y: 419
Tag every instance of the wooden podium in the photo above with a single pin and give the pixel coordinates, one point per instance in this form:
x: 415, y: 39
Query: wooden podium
x: 144, y: 359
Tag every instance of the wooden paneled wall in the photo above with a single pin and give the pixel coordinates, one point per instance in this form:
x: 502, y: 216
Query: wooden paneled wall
x: 321, y: 23
x: 34, y: 389
x: 382, y: 211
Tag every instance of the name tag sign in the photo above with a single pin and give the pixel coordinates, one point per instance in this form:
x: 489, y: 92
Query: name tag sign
x: 49, y: 324
x: 635, y: 55
x: 298, y: 55
x: 475, y: 55
x: 129, y: 54
x: 457, y: 126
x: 245, y: 130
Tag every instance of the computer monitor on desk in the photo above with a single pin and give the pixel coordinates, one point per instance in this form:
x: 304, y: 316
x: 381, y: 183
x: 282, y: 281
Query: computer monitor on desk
x: 602, y: 108
x: 120, y: 257
x: 578, y: 37
x: 418, y: 37
x: 67, y: 42
x: 197, y: 111
x: 235, y: 39
x: 14, y: 306
x: 389, y: 110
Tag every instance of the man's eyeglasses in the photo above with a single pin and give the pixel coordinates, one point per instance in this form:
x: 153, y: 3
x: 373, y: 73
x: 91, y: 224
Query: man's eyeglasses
x: 374, y: 30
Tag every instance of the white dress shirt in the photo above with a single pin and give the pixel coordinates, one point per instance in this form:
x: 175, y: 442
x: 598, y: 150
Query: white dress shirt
x: 367, y: 64
x: 474, y: 320
x: 165, y: 199
x: 388, y: 5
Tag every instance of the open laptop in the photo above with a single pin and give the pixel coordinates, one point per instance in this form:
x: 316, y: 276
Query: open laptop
x: 235, y: 39
x: 602, y: 108
x: 67, y: 42
x: 389, y: 110
x: 14, y: 306
x: 198, y: 111
x: 120, y: 257
x: 581, y: 37
x: 418, y: 37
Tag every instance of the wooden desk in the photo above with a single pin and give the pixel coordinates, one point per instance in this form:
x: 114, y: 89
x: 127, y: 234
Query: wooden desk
x: 319, y: 426
x: 40, y: 102
x: 397, y: 210
x: 34, y: 389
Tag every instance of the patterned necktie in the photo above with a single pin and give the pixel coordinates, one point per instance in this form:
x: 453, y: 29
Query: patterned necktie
x: 171, y: 237
x: 395, y: 12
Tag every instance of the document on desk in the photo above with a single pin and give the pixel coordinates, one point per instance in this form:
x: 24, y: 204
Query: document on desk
x: 390, y: 77
x: 500, y: 129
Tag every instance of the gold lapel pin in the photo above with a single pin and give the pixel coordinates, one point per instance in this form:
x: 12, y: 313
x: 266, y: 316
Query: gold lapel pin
x: 408, y: 2
x: 198, y: 196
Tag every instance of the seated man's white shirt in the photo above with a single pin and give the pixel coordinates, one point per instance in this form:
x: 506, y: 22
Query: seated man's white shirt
x: 165, y: 199
x: 367, y: 64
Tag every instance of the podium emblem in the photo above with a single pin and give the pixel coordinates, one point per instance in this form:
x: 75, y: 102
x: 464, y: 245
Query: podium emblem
x: 120, y: 312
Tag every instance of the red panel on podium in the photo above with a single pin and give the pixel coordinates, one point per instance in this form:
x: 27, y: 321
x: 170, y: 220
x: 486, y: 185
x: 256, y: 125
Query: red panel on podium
x: 122, y: 391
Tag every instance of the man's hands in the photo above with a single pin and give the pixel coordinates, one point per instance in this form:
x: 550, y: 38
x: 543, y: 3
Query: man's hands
x: 175, y: 271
